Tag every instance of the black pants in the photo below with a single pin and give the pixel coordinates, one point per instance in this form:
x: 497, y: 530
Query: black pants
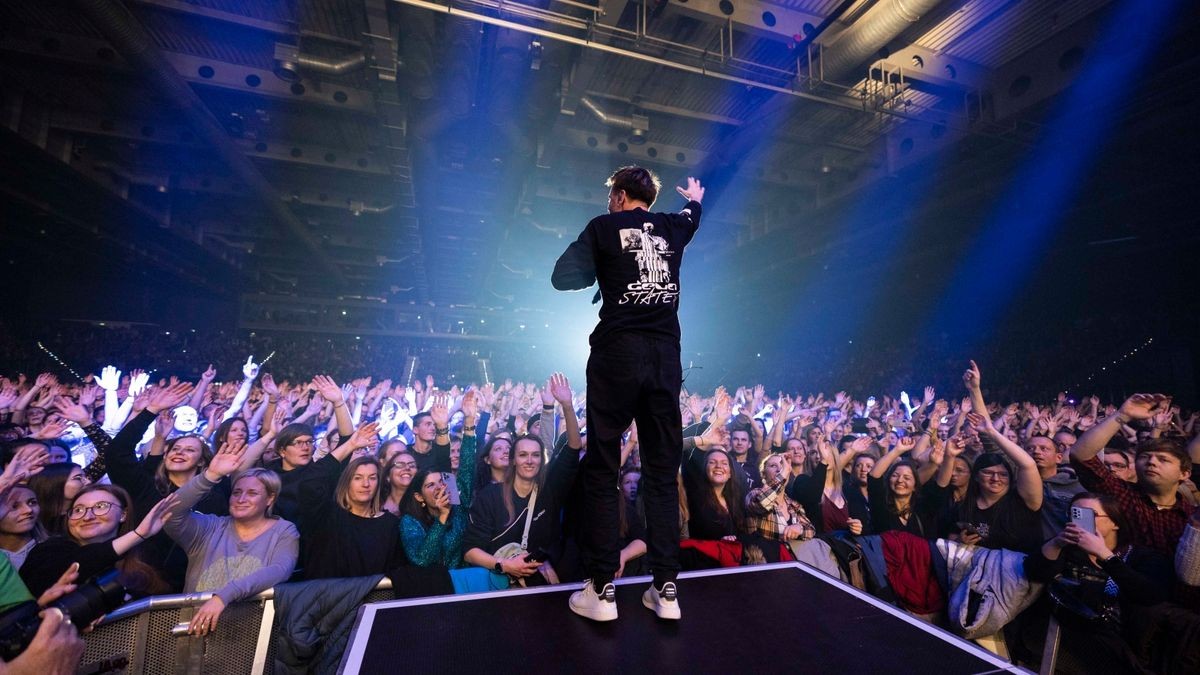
x: 632, y: 377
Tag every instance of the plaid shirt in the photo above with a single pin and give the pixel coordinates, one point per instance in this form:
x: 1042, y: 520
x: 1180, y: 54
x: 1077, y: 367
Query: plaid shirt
x: 1159, y: 529
x: 770, y: 511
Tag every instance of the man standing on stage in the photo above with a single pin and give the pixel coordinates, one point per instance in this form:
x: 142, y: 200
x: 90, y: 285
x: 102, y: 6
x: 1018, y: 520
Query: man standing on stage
x: 633, y: 374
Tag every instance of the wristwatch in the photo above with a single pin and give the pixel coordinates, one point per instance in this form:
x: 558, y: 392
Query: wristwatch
x: 497, y: 568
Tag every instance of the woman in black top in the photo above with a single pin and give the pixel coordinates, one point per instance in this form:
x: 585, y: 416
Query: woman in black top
x: 500, y: 510
x: 1104, y: 578
x: 346, y: 531
x: 1003, y: 500
x: 896, y: 501
x: 101, y: 534
x: 716, y: 502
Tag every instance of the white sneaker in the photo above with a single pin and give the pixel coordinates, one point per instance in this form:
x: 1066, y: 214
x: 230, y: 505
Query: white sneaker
x: 665, y: 602
x: 600, y: 606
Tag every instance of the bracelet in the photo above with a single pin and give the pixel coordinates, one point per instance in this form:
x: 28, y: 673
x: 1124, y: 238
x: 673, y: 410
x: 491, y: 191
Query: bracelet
x: 548, y: 407
x: 468, y: 429
x: 340, y: 405
x: 139, y: 535
x: 273, y: 400
x: 444, y: 431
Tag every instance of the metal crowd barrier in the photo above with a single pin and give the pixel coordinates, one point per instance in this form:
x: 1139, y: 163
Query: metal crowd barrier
x: 149, y: 637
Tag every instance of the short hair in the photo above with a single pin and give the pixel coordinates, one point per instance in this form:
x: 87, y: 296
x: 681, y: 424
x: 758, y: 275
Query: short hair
x: 1172, y: 446
x: 639, y: 183
x: 269, y: 479
x: 290, y: 433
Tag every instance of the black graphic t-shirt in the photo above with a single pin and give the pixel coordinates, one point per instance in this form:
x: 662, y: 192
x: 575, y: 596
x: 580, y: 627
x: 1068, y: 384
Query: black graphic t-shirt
x: 635, y: 255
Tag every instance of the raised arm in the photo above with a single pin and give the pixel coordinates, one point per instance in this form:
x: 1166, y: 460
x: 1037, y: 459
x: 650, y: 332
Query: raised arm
x: 206, y: 380
x: 560, y: 389
x: 902, y: 446
x: 333, y: 393
x: 1136, y: 407
x: 250, y: 370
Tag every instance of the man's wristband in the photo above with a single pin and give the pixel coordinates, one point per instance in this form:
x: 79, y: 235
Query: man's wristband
x: 469, y: 429
x: 443, y: 431
x: 340, y: 405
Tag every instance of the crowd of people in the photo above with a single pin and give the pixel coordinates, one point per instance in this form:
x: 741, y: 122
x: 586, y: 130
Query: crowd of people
x: 232, y: 485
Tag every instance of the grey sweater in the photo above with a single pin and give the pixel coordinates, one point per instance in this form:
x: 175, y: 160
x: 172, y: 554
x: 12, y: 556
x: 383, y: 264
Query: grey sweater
x: 218, y: 560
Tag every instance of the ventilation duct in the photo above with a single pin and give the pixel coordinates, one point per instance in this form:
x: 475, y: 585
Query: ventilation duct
x: 637, y: 125
x: 289, y: 61
x: 865, y: 37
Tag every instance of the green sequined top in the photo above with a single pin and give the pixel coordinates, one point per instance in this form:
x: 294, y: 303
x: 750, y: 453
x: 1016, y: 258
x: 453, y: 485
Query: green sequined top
x: 441, y: 544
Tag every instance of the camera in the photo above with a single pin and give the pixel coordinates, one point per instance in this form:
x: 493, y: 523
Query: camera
x: 89, y: 602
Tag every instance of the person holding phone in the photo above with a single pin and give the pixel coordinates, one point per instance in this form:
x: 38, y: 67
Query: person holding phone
x: 1100, y: 577
x: 432, y: 526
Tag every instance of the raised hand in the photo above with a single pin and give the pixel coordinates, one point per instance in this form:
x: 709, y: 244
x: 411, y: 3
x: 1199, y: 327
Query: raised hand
x: 157, y: 517
x: 209, y: 374
x: 137, y: 383
x: 268, y: 386
x: 440, y: 411
x: 547, y: 397
x: 1144, y: 406
x: 470, y: 406
x: 721, y: 406
x: 164, y: 424
x: 28, y: 461
x: 228, y: 459
x: 929, y: 395
x: 250, y: 369
x: 694, y: 192
x: 972, y: 377
x: 978, y: 422
x: 956, y: 445
x: 52, y: 430
x: 328, y: 389
x: 163, y: 398
x: 49, y: 380
x: 560, y: 389
x: 364, y: 436
x: 88, y: 394
x: 904, y: 443
x: 109, y: 378
x: 73, y: 411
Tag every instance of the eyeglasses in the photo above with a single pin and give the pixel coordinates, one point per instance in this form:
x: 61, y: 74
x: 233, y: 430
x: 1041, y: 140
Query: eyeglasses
x: 1001, y: 476
x: 1117, y: 465
x: 99, y: 509
x: 301, y: 444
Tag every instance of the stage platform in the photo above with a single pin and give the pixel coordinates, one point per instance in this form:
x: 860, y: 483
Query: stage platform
x: 761, y: 619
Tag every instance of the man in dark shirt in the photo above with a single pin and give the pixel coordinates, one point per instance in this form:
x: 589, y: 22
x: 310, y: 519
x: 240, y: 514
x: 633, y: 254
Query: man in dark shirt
x: 633, y: 374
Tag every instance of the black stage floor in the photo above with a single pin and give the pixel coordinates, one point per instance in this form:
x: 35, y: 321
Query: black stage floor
x: 762, y: 619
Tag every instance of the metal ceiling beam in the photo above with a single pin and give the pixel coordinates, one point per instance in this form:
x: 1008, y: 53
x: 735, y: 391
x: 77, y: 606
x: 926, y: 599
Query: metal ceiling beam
x: 763, y: 19
x: 196, y: 70
x: 157, y: 133
x: 130, y: 40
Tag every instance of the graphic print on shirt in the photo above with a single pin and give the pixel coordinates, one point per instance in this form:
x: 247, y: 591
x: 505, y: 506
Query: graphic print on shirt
x: 654, y: 284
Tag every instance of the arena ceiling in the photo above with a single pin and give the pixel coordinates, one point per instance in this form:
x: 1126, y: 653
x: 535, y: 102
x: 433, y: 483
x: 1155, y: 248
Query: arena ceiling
x: 423, y: 164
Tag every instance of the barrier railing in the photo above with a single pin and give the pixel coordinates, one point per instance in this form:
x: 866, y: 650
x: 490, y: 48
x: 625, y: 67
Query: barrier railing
x: 149, y: 637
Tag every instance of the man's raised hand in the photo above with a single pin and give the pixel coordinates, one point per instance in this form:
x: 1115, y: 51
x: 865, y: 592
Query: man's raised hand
x: 693, y: 193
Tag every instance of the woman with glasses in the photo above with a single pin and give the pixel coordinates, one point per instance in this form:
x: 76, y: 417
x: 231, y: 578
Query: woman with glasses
x: 1004, y: 497
x: 102, y: 533
x: 431, y: 528
x: 398, y: 473
x: 1103, y: 580
x: 295, y: 447
x: 238, y: 555
x: 168, y: 465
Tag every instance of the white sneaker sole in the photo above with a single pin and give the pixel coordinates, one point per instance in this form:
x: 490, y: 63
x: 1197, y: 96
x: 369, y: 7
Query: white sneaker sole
x: 595, y: 613
x: 670, y: 612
